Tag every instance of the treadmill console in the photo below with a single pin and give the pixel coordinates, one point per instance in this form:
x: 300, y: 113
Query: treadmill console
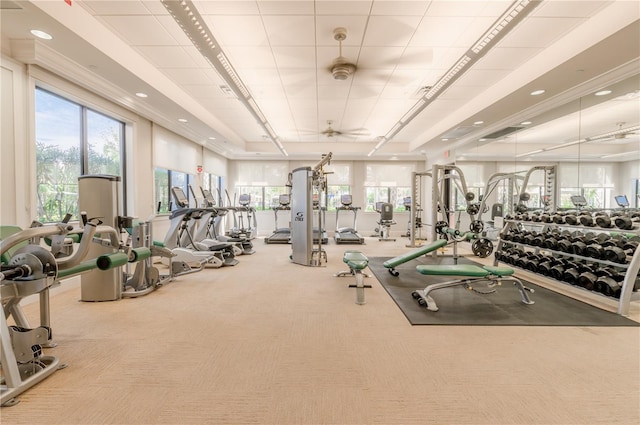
x: 180, y: 197
x: 284, y: 200
x: 346, y: 200
x: 578, y: 201
x: 244, y: 199
x: 208, y: 197
x: 622, y: 201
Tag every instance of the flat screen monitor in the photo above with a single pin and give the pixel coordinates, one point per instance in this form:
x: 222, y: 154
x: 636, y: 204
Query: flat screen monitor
x: 622, y: 201
x: 346, y: 199
x: 379, y: 206
x: 578, y: 200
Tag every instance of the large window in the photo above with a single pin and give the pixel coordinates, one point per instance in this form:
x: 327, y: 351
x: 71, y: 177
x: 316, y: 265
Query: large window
x: 265, y: 181
x: 164, y: 181
x: 388, y: 182
x: 71, y: 140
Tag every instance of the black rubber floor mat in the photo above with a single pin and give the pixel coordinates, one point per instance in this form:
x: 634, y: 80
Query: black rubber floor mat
x: 460, y: 306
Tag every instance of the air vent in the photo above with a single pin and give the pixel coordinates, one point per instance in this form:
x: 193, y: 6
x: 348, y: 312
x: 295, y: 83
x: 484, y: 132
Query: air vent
x: 501, y: 133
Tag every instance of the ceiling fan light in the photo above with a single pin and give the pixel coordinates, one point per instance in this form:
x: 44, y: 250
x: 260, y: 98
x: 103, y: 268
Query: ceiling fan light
x: 342, y: 71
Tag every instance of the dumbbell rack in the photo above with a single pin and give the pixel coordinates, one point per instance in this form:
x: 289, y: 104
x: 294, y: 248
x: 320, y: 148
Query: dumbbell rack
x: 632, y: 267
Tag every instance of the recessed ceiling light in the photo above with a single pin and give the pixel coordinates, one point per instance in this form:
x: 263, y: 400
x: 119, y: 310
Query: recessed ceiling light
x: 142, y: 95
x: 444, y: 140
x: 182, y: 120
x: 41, y: 34
x: 482, y: 140
x: 478, y: 123
x: 525, y: 123
x: 537, y: 92
x: 603, y: 92
x: 212, y: 138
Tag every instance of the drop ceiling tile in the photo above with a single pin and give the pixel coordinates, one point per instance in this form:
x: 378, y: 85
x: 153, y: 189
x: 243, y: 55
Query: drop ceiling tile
x: 380, y: 56
x: 154, y: 6
x: 506, y: 58
x: 229, y: 7
x: 443, y: 31
x: 493, y: 8
x: 205, y: 92
x: 575, y: 8
x: 340, y: 8
x: 114, y: 7
x: 231, y: 30
x: 365, y: 92
x: 196, y: 56
x: 298, y: 78
x: 537, y: 32
x: 140, y: 30
x: 259, y: 76
x: 263, y: 92
x: 390, y: 30
x: 187, y: 75
x: 290, y: 30
x: 333, y: 91
x: 399, y: 7
x: 295, y: 56
x: 355, y: 26
x: 174, y: 30
x: 250, y: 57
x: 297, y: 7
x: 168, y: 56
x: 481, y: 77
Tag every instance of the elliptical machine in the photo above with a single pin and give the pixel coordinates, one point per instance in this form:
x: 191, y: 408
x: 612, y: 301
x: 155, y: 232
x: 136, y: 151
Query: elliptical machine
x: 386, y: 221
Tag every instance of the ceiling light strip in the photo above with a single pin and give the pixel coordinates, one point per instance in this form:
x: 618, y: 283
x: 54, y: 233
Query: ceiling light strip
x: 503, y: 21
x: 503, y: 25
x: 189, y: 19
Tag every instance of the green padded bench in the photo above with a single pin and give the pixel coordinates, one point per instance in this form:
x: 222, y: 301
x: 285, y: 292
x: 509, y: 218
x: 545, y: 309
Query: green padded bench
x: 468, y: 275
x: 401, y: 259
x: 357, y: 262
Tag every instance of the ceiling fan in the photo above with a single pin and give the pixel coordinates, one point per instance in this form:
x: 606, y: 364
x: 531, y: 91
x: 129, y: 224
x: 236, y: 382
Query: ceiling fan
x: 619, y: 134
x: 331, y: 132
x: 341, y: 68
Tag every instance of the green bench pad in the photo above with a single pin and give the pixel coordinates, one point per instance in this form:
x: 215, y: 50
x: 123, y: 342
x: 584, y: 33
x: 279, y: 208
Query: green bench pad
x: 355, y: 260
x: 468, y: 270
x: 401, y: 259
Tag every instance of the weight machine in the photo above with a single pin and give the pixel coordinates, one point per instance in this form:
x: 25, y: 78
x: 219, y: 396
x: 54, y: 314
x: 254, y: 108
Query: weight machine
x: 307, y: 183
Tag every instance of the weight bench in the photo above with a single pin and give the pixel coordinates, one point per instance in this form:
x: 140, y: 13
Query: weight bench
x: 401, y: 259
x: 357, y: 262
x: 470, y: 274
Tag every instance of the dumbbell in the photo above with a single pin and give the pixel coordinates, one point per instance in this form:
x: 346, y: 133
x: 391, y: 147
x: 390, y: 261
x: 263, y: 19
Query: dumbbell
x: 558, y: 269
x: 571, y: 219
x: 558, y: 217
x: 603, y: 220
x: 619, y: 252
x: 586, y: 219
x: 571, y: 273
x: 626, y: 222
x: 588, y: 279
x: 610, y: 284
x: 595, y: 246
x: 546, y: 218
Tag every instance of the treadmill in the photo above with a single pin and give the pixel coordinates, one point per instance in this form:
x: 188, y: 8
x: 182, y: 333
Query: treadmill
x: 280, y: 235
x: 347, y: 235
